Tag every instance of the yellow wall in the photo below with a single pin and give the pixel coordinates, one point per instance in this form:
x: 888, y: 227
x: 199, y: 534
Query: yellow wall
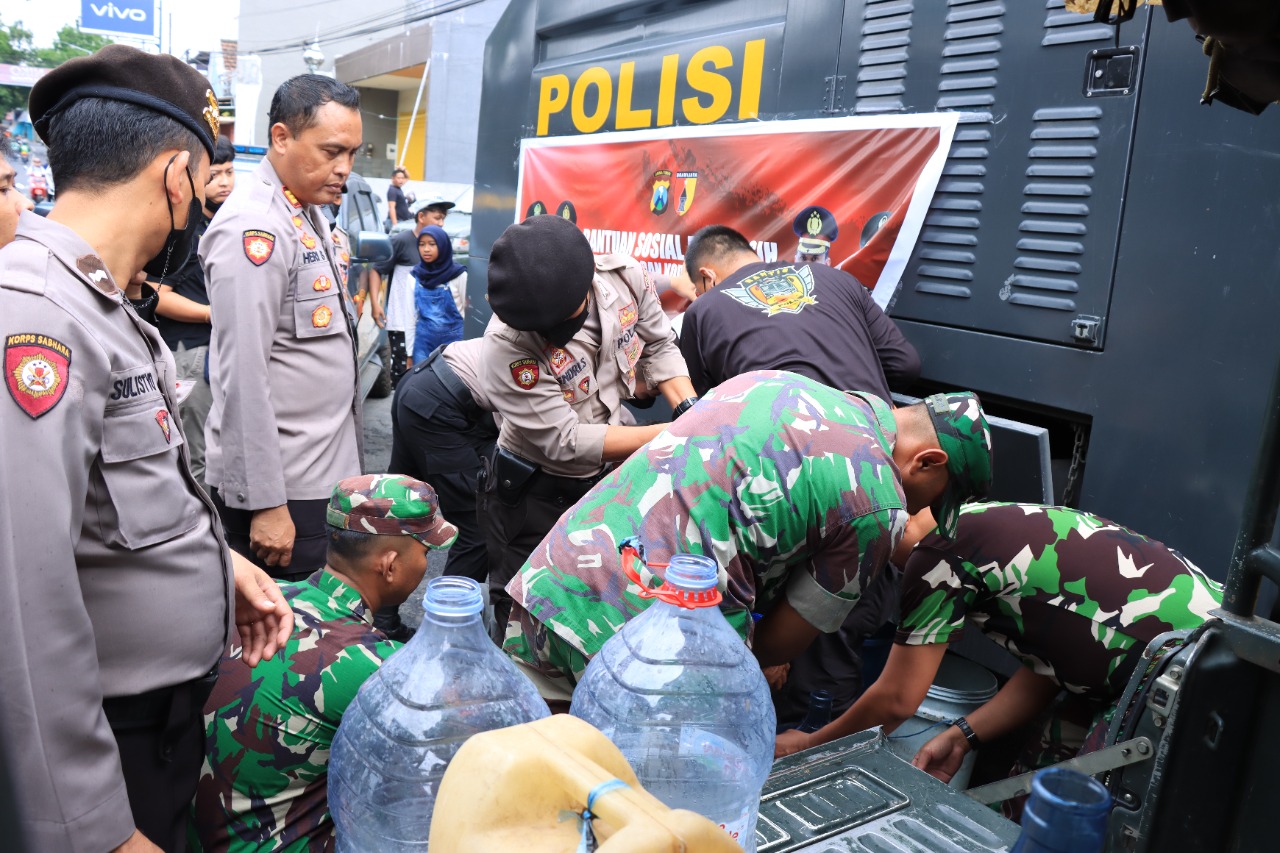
x: 413, y: 154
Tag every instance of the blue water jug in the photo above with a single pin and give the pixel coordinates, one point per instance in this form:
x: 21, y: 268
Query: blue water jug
x: 410, y: 717
x: 1066, y: 813
x: 685, y: 702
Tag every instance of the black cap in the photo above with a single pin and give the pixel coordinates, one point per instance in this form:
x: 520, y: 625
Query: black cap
x: 158, y: 82
x: 539, y: 272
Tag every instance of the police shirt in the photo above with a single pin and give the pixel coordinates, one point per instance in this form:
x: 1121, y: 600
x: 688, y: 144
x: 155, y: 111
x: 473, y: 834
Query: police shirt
x: 809, y: 319
x: 114, y: 577
x: 285, y: 422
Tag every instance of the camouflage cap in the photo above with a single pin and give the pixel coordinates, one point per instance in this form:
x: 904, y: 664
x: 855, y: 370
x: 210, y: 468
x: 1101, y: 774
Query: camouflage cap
x: 392, y: 505
x: 964, y: 435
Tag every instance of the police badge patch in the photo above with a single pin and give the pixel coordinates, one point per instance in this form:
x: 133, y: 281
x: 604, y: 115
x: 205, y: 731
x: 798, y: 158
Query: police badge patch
x: 525, y: 372
x: 258, y: 246
x: 785, y: 290
x: 36, y: 369
x: 162, y: 418
x: 321, y: 317
x: 322, y: 283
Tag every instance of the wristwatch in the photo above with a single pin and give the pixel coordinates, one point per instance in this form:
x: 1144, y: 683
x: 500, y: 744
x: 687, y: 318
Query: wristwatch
x: 682, y: 407
x: 963, y: 725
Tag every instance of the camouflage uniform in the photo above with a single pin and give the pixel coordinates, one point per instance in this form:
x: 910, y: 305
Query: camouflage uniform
x: 788, y: 484
x: 1073, y: 596
x: 264, y: 785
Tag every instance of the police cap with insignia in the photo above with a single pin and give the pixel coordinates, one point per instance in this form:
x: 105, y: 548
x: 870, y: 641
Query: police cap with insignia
x: 539, y: 272
x: 157, y: 82
x: 817, y: 229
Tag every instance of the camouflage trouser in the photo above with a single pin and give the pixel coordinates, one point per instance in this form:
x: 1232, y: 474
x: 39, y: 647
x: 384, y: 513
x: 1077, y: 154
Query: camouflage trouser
x: 1074, y: 726
x: 553, y: 665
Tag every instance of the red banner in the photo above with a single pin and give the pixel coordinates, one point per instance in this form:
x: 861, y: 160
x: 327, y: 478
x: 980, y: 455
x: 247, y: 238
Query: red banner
x: 851, y: 192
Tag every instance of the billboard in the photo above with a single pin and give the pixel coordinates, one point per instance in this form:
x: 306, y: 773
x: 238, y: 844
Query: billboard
x: 130, y: 18
x: 854, y: 189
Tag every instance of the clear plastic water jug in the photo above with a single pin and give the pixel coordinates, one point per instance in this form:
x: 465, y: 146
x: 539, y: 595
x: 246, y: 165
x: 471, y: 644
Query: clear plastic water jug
x: 1066, y: 813
x: 685, y: 702
x: 410, y: 717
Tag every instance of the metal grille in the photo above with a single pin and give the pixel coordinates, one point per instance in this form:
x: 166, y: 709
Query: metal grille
x: 882, y: 62
x: 1063, y: 27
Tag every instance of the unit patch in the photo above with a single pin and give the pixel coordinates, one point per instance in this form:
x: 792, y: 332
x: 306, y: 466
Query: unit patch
x: 258, y: 246
x: 322, y: 317
x: 36, y: 369
x: 585, y: 385
x: 568, y: 395
x: 559, y: 358
x: 776, y: 291
x: 525, y: 372
x: 162, y: 418
x: 322, y: 284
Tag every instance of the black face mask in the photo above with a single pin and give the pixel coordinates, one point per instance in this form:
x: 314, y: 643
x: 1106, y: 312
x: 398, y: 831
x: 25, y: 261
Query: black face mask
x: 177, y: 248
x: 561, y: 333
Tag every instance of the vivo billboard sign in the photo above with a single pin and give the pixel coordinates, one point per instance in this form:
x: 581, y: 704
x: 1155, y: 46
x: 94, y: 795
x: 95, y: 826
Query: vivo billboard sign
x: 136, y: 18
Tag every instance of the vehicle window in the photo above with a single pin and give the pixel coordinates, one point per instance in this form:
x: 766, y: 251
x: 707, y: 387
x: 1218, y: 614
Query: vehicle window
x: 364, y: 209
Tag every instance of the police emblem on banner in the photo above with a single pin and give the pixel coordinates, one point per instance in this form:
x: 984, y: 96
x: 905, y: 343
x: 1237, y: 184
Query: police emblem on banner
x: 258, y: 246
x: 661, y: 192
x: 36, y: 369
x: 684, y: 200
x: 525, y: 372
x: 785, y: 290
x: 566, y: 210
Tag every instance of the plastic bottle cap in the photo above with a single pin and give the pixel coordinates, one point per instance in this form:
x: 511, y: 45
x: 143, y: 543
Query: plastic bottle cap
x: 453, y: 596
x: 690, y: 580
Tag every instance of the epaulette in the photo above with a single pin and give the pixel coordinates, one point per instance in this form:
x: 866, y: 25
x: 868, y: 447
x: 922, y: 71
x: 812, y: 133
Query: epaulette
x: 26, y: 267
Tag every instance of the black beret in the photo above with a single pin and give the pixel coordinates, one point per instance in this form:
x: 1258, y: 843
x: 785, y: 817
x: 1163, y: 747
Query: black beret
x: 158, y: 82
x: 539, y: 272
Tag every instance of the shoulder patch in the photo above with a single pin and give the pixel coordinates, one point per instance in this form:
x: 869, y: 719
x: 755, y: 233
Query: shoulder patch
x: 36, y: 369
x: 525, y: 372
x: 258, y: 246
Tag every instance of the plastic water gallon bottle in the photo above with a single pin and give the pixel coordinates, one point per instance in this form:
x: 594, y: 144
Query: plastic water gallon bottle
x: 410, y: 717
x: 685, y: 702
x: 819, y: 713
x: 1066, y: 813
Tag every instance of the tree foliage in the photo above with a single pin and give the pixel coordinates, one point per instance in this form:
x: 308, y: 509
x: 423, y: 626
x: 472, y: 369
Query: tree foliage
x: 17, y: 48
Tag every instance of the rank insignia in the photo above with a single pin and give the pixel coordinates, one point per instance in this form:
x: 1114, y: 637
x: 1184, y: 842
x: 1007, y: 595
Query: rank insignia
x: 627, y: 316
x: 322, y: 317
x: 36, y: 369
x: 568, y: 395
x: 291, y: 198
x: 785, y: 290
x: 308, y: 240
x: 525, y: 372
x: 322, y: 284
x: 162, y: 418
x: 346, y: 258
x: 297, y: 221
x: 258, y: 246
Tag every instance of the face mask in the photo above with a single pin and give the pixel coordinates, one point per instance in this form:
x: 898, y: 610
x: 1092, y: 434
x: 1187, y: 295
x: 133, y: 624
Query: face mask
x: 213, y: 207
x: 177, y: 248
x: 561, y: 333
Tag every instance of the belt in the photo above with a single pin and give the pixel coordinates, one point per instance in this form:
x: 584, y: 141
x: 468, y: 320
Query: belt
x: 554, y: 486
x: 155, y: 707
x: 450, y: 379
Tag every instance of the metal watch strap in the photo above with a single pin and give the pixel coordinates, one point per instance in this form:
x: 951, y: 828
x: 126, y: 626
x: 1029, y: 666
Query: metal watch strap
x: 963, y: 725
x: 683, y: 406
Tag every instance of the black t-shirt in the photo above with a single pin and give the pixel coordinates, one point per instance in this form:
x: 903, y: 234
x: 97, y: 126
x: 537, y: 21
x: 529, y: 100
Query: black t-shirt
x: 404, y: 251
x: 810, y: 319
x: 396, y: 196
x: 189, y: 282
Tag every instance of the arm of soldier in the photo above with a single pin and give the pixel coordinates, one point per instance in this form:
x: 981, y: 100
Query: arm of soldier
x: 58, y: 743
x: 898, y: 358
x: 175, y: 306
x: 891, y: 700
x: 1021, y: 699
x: 536, y: 410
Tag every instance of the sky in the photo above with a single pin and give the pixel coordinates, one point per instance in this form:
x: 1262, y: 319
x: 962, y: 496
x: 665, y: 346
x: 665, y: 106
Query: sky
x: 197, y: 24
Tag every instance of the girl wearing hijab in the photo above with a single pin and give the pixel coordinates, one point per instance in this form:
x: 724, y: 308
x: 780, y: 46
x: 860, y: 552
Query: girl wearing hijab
x: 437, y: 277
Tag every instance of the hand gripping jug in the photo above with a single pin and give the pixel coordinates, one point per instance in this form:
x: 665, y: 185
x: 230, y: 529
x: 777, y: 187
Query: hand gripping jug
x: 681, y: 696
x: 409, y: 718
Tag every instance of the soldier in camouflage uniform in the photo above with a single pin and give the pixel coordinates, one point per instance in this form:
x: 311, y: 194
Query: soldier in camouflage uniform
x: 1074, y: 597
x: 799, y: 491
x: 264, y: 785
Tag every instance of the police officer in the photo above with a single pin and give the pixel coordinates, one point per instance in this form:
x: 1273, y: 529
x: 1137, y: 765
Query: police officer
x: 285, y: 423
x: 573, y: 334
x: 817, y: 229
x: 115, y: 583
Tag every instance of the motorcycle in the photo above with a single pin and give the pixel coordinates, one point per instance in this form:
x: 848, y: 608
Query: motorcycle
x: 39, y: 188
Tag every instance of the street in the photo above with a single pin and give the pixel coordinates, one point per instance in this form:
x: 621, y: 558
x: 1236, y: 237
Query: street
x: 377, y: 456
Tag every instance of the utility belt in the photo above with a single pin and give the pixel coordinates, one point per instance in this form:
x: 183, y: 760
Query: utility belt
x: 513, y: 477
x: 167, y: 708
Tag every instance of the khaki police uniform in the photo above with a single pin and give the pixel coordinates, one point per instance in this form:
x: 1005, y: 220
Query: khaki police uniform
x: 286, y: 421
x: 556, y: 405
x: 114, y: 578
